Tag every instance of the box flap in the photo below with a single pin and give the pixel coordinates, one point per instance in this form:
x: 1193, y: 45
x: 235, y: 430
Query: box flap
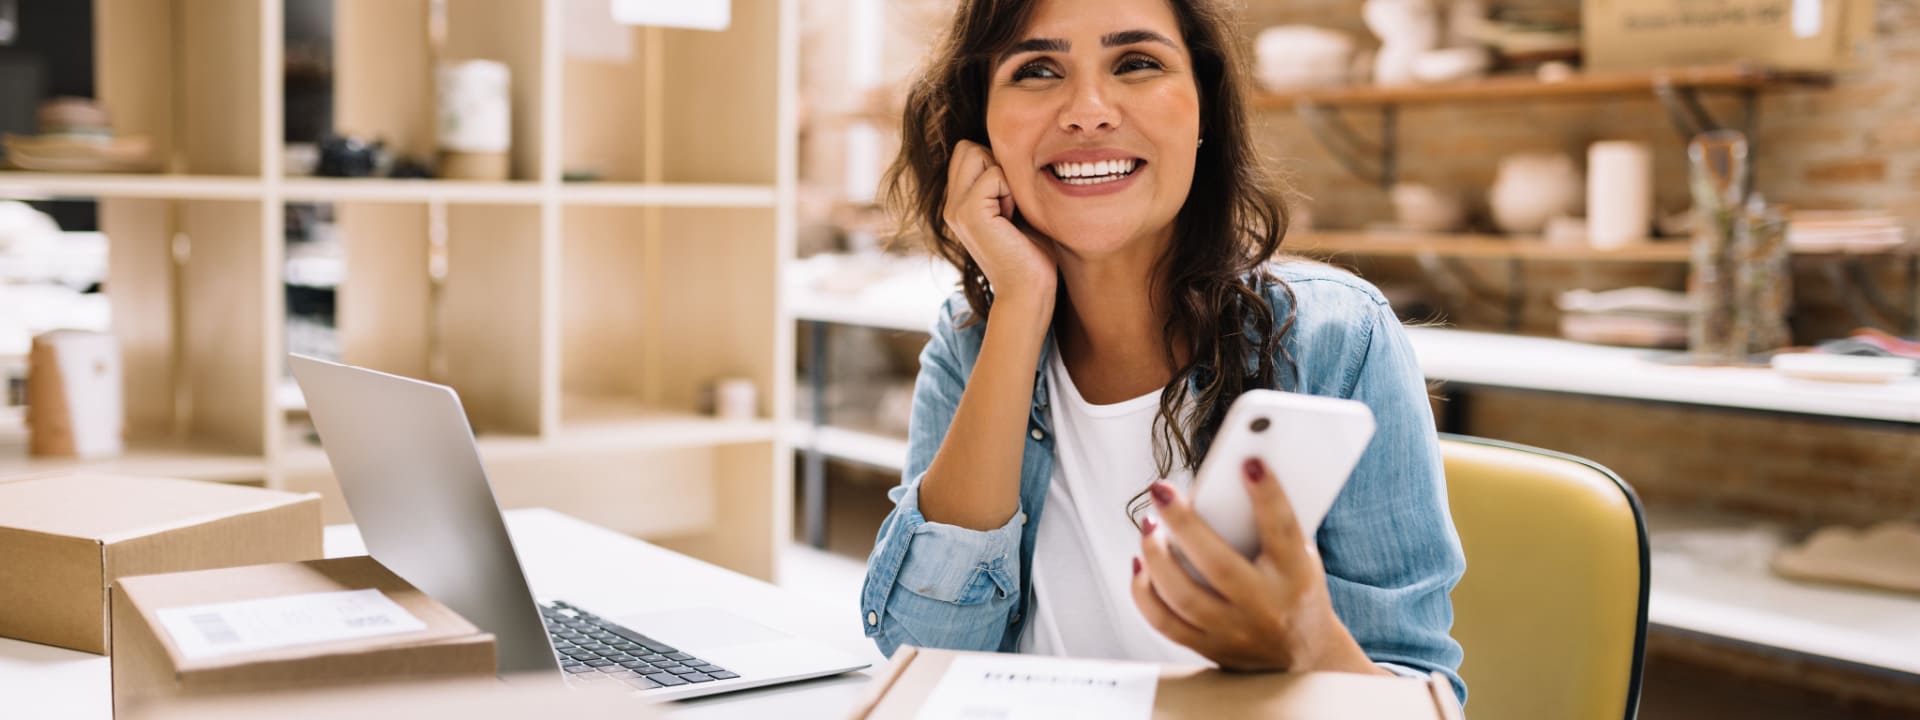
x: 148, y: 593
x: 111, y: 508
x: 51, y: 590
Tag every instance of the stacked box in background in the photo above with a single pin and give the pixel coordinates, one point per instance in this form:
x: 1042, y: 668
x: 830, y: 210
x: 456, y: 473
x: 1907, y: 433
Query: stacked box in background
x: 1782, y: 34
x: 65, y: 539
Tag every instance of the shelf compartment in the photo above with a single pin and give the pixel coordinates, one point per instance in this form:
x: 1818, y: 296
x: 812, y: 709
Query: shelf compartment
x: 384, y: 70
x: 657, y: 303
x: 1701, y: 589
x: 194, y: 296
x: 650, y: 113
x: 188, y: 76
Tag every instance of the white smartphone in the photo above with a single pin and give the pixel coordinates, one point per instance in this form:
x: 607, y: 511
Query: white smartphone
x: 1310, y: 442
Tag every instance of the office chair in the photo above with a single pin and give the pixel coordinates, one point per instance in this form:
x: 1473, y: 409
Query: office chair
x: 1552, y: 612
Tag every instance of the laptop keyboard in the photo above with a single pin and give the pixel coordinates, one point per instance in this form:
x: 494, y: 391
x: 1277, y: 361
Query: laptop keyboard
x: 592, y: 648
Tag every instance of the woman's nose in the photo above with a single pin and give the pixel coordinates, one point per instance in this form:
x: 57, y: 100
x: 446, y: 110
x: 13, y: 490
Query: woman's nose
x: 1088, y: 108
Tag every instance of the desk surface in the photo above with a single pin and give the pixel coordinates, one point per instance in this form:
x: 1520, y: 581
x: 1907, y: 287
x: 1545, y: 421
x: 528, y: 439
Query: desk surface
x: 38, y: 681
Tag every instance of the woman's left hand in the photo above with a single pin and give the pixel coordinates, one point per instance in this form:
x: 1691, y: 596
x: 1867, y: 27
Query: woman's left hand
x: 1272, y: 613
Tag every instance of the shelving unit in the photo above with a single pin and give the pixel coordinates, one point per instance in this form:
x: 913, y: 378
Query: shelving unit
x: 1439, y: 256
x: 1528, y: 87
x: 1678, y: 90
x: 577, y: 320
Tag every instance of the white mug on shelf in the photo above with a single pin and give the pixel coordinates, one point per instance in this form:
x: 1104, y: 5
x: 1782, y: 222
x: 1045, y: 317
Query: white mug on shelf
x: 735, y: 399
x: 1619, y: 193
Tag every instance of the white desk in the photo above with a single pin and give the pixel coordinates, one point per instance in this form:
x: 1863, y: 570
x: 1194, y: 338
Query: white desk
x: 564, y: 558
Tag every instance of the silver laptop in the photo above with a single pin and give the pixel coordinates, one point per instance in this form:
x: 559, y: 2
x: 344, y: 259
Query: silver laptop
x: 406, y: 462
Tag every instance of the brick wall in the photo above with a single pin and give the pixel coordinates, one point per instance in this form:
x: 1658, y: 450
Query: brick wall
x: 1855, y: 145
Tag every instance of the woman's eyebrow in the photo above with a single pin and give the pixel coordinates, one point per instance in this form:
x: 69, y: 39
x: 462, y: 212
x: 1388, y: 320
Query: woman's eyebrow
x: 1033, y: 45
x: 1129, y: 37
x: 1112, y: 39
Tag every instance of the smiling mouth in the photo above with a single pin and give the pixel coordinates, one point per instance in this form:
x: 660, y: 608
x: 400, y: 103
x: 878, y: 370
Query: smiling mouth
x: 1094, y: 173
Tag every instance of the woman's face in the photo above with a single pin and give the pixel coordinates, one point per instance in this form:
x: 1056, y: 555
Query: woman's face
x: 1095, y: 118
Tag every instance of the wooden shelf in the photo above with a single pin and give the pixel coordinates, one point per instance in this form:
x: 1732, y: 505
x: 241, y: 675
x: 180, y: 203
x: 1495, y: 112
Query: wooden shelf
x: 420, y: 190
x: 1512, y: 247
x: 1699, y: 589
x: 1527, y: 87
x: 164, y: 460
x: 668, y: 195
x: 22, y: 185
x: 1395, y: 244
x: 870, y: 449
x: 588, y: 424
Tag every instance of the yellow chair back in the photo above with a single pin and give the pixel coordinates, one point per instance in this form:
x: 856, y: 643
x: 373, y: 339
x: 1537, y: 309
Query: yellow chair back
x: 1552, y: 612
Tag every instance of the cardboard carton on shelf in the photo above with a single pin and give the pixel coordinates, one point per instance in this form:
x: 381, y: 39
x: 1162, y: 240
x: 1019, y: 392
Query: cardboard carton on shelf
x: 903, y: 688
x: 64, y: 539
x: 337, y: 623
x: 1798, y: 36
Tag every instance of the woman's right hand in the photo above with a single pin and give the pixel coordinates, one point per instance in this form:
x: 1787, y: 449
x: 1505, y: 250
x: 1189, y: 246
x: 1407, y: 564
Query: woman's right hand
x: 979, y: 213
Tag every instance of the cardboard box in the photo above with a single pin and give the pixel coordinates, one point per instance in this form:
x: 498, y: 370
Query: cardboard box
x: 151, y: 668
x: 1815, y: 35
x: 64, y: 539
x: 1192, y: 692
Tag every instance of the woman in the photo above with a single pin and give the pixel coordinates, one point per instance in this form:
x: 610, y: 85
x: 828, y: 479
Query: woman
x: 1088, y: 166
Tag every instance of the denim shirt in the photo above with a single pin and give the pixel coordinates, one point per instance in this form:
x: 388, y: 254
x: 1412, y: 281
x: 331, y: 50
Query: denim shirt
x: 1388, y: 544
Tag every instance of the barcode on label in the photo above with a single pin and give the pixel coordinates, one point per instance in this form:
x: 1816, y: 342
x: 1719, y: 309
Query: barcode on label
x: 369, y: 621
x: 214, y: 629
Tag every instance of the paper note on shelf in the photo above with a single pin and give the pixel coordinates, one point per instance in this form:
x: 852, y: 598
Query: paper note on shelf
x: 209, y: 631
x: 1017, y: 687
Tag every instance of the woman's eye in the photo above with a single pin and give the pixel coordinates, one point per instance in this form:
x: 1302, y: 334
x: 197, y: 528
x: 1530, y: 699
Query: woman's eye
x: 1034, y: 70
x: 1135, y: 63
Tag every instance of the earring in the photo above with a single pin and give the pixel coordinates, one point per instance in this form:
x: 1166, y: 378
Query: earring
x: 1202, y: 141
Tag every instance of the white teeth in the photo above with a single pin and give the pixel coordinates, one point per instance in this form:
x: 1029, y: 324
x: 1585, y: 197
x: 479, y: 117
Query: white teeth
x: 1087, y: 173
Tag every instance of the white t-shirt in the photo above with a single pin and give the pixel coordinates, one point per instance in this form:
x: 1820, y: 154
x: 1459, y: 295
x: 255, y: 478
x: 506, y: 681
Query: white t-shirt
x: 1082, y: 558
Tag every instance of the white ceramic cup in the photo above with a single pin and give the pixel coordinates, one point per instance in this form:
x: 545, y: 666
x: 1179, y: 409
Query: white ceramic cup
x: 735, y: 399
x: 1619, y: 193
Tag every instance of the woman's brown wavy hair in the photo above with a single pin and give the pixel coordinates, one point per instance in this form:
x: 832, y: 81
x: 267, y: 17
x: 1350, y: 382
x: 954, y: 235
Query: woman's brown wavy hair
x: 1213, y: 276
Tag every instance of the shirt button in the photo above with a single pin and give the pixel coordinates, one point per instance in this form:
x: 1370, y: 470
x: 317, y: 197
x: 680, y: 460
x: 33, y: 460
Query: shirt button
x: 1037, y: 435
x: 873, y: 618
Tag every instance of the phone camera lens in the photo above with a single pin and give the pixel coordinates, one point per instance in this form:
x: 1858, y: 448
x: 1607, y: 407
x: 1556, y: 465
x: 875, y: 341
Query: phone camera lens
x: 1259, y: 424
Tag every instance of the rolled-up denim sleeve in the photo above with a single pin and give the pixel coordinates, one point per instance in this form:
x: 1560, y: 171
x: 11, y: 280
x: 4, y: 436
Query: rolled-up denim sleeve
x: 1389, y: 547
x: 931, y: 584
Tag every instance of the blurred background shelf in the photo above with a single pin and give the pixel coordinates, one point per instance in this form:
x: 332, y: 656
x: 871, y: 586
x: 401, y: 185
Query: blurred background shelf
x: 23, y: 185
x: 1510, y: 247
x: 409, y: 190
x: 1710, y: 577
x: 143, y: 458
x: 688, y: 195
x: 870, y: 449
x: 1580, y: 85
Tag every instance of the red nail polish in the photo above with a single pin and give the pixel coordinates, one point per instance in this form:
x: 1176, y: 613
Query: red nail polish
x: 1254, y: 469
x: 1136, y: 566
x: 1161, y: 493
x: 1147, y: 525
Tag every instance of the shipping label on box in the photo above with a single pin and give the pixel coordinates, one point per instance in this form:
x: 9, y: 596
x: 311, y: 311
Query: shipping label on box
x: 315, y: 624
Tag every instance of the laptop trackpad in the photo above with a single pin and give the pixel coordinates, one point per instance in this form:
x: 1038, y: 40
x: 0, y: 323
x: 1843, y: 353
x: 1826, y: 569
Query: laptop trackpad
x: 701, y: 628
